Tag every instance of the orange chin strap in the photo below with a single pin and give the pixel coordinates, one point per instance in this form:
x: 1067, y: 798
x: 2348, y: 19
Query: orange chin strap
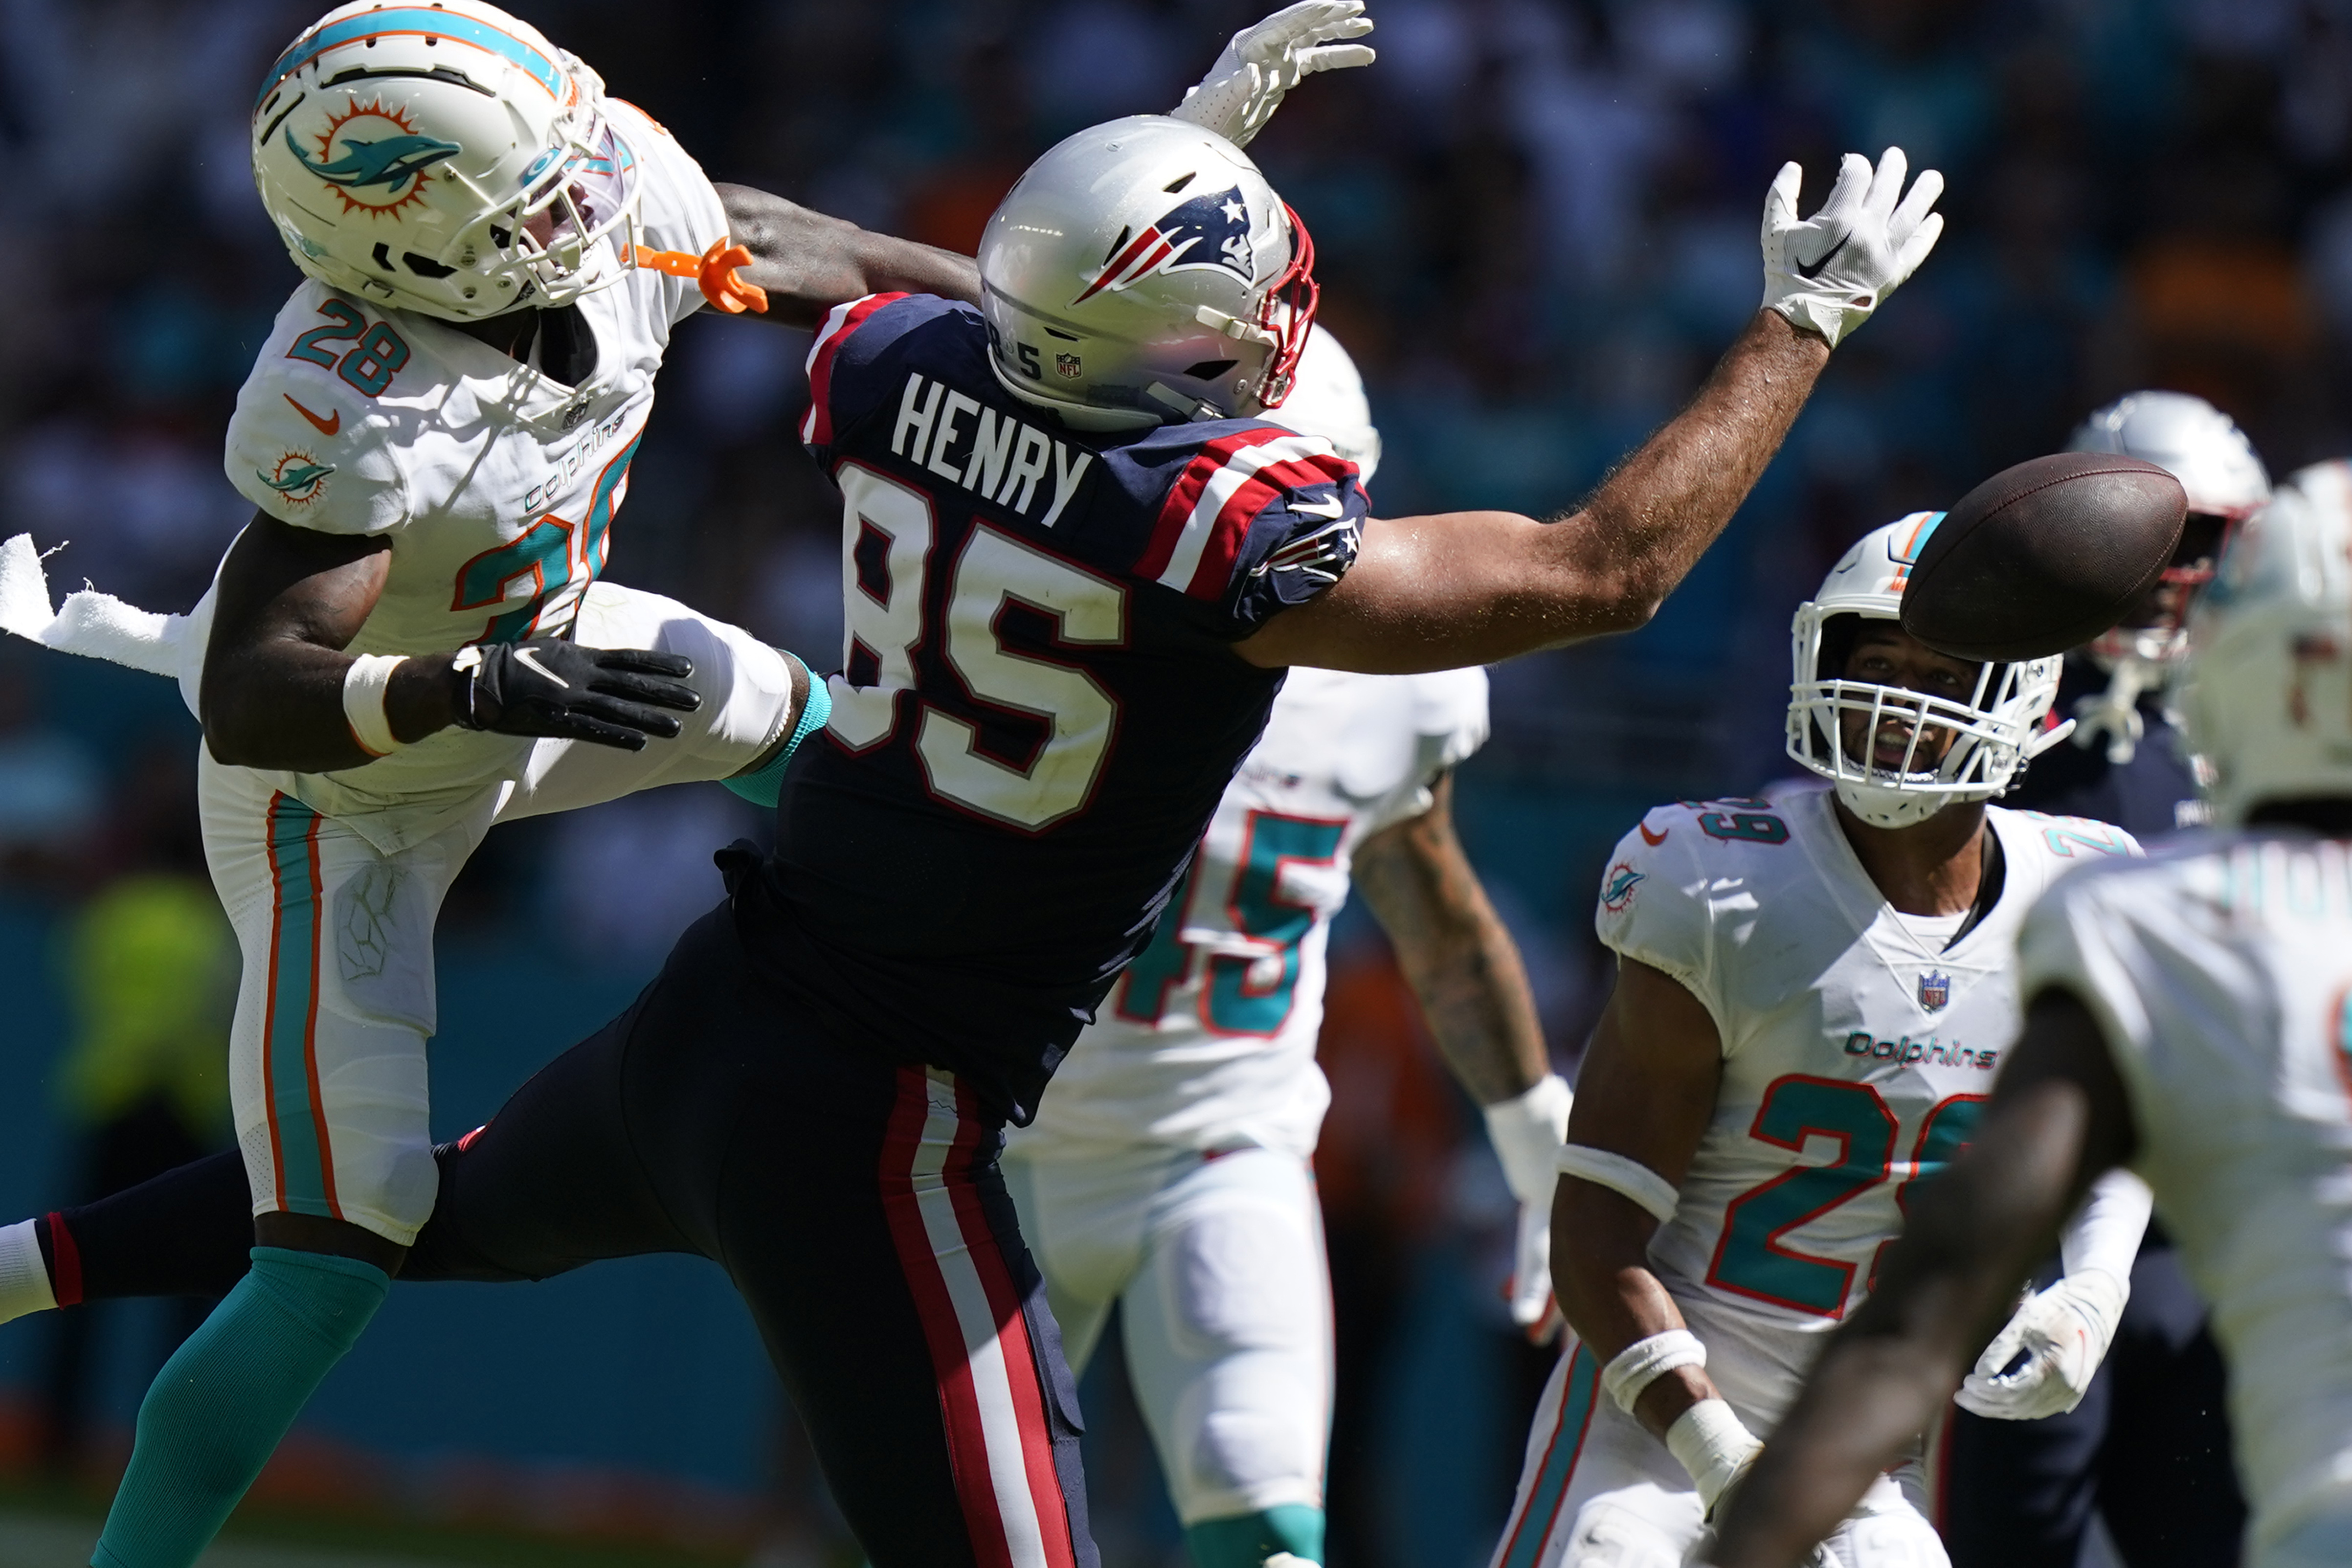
x: 714, y: 272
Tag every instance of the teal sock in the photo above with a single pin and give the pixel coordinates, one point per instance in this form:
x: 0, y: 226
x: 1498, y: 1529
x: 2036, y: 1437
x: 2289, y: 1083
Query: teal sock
x: 221, y: 1403
x: 1248, y: 1540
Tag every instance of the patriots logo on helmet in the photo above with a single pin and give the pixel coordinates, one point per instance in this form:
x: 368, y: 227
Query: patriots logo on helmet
x: 1211, y: 231
x: 1935, y: 991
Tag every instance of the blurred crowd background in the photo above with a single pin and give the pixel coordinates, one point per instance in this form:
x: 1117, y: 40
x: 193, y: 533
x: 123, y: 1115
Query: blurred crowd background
x: 1536, y: 225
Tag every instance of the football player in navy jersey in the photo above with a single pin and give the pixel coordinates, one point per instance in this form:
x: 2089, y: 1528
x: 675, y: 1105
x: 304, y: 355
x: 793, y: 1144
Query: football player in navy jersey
x: 1075, y: 565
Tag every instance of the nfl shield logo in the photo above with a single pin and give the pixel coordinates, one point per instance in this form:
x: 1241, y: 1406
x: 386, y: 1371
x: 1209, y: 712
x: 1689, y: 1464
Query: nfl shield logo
x: 1067, y: 365
x: 1935, y: 990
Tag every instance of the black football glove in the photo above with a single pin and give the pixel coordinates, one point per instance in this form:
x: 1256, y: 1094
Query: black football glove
x: 549, y: 686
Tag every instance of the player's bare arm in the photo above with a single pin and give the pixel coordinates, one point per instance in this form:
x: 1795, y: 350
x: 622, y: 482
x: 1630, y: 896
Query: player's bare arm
x: 808, y: 263
x: 1455, y: 951
x: 1435, y: 593
x: 2059, y: 1119
x: 1440, y: 592
x: 1646, y: 1093
x: 276, y: 682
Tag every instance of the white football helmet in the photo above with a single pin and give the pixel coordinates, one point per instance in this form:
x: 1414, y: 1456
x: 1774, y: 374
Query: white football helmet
x: 446, y: 159
x: 1992, y: 734
x: 2268, y: 690
x: 1144, y: 271
x: 1327, y: 399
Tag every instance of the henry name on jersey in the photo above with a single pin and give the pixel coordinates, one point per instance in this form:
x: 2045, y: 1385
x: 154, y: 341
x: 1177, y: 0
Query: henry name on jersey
x: 1005, y: 460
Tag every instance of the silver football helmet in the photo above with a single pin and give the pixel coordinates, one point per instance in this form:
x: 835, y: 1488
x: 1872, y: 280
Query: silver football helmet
x: 1984, y: 740
x: 2226, y: 482
x: 1144, y: 271
x: 2267, y: 693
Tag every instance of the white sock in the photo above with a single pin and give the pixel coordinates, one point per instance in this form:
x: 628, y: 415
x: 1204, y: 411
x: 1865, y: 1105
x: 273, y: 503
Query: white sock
x: 23, y: 1278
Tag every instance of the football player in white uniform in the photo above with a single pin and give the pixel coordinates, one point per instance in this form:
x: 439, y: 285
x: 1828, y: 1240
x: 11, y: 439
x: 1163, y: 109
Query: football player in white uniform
x: 2188, y: 1019
x: 1168, y: 1168
x: 409, y: 642
x: 1813, y: 996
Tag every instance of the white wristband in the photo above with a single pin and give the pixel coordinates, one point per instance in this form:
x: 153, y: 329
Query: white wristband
x: 1645, y: 1362
x: 1627, y: 1178
x: 1715, y: 1445
x: 363, y: 688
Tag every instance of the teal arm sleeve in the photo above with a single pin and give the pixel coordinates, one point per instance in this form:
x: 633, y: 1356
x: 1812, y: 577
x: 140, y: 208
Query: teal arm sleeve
x: 761, y: 788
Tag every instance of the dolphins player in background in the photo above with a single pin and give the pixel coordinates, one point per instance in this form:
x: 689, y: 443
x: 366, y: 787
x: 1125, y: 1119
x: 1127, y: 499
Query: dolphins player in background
x: 2188, y: 1019
x: 2148, y: 1443
x: 409, y: 643
x: 1169, y: 1169
x: 1811, y: 998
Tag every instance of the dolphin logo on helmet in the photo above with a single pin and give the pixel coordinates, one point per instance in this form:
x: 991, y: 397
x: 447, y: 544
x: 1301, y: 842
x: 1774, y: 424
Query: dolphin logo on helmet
x: 388, y: 162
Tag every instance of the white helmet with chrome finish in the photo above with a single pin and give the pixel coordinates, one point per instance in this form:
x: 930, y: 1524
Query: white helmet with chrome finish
x: 1144, y: 271
x: 2268, y: 693
x: 1984, y: 742
x: 1327, y: 399
x: 444, y: 158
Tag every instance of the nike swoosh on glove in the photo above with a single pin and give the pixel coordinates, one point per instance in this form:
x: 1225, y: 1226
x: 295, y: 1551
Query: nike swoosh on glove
x: 1828, y: 273
x: 549, y: 686
x: 2064, y: 1332
x: 1264, y: 61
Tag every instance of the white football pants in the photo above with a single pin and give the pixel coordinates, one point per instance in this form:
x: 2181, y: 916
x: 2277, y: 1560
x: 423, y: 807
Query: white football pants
x: 1598, y: 1491
x: 1218, y: 1263
x: 327, y: 1059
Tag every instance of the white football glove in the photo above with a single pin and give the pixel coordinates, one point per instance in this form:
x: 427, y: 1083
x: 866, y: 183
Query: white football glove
x: 1828, y: 272
x: 2065, y: 1332
x: 1245, y: 86
x: 1528, y: 1130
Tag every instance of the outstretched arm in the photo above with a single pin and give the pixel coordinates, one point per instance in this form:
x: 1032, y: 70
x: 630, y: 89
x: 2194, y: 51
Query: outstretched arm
x: 2058, y: 1120
x: 1438, y: 592
x: 808, y: 263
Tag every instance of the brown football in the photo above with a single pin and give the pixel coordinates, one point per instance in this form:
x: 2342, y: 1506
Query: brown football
x: 2044, y: 557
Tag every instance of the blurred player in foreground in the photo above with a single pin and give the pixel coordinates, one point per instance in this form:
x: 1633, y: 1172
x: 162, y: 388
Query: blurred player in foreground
x: 2187, y: 1018
x: 1167, y: 1170
x: 1812, y: 999
x: 2148, y: 1445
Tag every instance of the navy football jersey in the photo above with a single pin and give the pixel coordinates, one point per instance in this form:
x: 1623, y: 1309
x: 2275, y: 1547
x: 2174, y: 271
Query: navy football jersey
x: 1039, y: 705
x: 2151, y: 797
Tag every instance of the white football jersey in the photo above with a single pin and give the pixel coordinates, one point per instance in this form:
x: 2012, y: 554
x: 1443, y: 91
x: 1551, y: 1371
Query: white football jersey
x: 1858, y: 1051
x: 496, y: 484
x: 2220, y: 971
x: 1208, y: 1039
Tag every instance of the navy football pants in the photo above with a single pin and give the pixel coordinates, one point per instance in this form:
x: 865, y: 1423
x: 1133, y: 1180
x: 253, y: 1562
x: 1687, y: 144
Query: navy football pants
x: 856, y: 1205
x: 2148, y: 1448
